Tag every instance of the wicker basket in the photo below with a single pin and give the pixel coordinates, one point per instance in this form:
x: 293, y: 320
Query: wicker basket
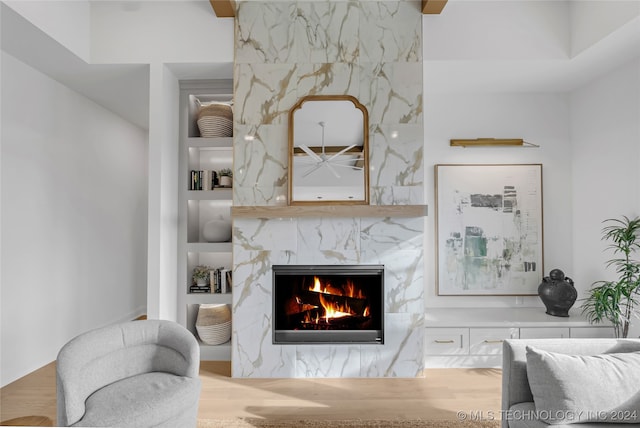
x: 214, y: 323
x: 215, y: 120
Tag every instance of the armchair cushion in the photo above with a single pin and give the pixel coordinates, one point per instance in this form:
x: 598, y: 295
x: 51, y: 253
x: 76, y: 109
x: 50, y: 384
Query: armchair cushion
x: 577, y: 388
x: 147, y: 399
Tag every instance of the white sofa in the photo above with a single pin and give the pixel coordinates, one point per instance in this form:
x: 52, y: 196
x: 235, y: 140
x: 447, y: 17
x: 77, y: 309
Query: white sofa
x: 518, y: 404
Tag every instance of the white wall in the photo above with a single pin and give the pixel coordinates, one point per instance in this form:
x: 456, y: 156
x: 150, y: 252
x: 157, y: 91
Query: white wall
x: 164, y: 136
x: 68, y: 22
x: 159, y: 31
x: 594, y: 20
x: 605, y: 129
x: 498, y: 30
x: 539, y: 118
x: 74, y: 215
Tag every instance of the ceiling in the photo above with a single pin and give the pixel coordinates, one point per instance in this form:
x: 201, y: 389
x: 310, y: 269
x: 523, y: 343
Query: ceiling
x: 124, y: 88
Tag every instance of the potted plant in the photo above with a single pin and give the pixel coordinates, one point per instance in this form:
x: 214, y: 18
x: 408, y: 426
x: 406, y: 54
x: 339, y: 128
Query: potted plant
x: 201, y: 274
x: 225, y: 177
x: 616, y: 300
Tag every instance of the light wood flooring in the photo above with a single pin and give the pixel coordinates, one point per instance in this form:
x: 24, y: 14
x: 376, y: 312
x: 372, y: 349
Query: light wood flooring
x: 438, y: 395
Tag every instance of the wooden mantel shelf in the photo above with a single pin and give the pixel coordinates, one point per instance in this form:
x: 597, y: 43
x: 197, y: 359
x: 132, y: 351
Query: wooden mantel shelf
x: 329, y: 211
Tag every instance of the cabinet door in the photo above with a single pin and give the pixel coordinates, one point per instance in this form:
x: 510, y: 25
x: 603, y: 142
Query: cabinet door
x: 447, y: 341
x: 488, y: 341
x: 544, y: 332
x: 592, y: 332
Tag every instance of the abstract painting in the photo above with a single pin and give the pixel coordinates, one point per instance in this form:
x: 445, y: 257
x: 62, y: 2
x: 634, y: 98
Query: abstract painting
x: 489, y: 229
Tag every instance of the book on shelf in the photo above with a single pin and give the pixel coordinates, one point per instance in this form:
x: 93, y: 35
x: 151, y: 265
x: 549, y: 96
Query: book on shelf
x: 225, y: 279
x: 200, y: 289
x: 203, y: 180
x: 220, y: 280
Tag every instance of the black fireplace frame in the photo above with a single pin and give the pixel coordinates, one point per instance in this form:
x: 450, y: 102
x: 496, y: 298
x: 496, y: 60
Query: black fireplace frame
x: 328, y: 337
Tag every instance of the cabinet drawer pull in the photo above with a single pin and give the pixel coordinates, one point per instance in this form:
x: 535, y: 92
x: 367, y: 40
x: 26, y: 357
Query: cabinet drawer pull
x: 493, y: 341
x: 445, y: 341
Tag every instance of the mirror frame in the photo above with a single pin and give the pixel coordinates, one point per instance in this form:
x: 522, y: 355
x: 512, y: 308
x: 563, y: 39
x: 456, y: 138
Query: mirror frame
x: 365, y: 149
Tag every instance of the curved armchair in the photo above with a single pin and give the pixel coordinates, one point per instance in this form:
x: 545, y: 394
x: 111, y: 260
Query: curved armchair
x: 134, y: 374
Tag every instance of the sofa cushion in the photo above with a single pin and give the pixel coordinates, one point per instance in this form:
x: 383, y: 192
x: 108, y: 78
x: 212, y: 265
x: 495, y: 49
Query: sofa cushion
x: 577, y: 388
x: 147, y: 400
x: 524, y: 415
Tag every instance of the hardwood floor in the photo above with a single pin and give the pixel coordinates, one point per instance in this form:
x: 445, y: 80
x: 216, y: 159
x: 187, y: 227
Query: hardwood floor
x: 439, y: 395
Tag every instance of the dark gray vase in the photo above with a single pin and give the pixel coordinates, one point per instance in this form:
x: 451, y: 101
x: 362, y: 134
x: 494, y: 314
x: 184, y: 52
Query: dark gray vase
x: 557, y: 293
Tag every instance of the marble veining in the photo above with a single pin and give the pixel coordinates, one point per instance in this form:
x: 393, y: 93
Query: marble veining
x: 391, y: 31
x: 286, y: 50
x: 327, y: 32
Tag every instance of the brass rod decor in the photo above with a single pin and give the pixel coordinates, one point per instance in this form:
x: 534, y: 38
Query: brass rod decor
x: 495, y: 142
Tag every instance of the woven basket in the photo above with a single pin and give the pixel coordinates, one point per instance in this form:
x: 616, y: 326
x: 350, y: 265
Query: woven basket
x: 213, y: 323
x: 215, y: 120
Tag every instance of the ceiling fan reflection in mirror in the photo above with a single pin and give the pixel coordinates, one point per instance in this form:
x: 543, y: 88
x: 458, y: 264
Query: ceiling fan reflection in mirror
x: 322, y: 159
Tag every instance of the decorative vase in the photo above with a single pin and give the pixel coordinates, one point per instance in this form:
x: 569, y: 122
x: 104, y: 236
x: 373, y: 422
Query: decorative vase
x: 213, y: 323
x: 217, y: 230
x: 557, y: 293
x: 201, y: 281
x: 225, y: 181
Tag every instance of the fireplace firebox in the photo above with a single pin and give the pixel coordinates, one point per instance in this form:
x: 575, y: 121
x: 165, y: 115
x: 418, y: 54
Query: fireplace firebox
x: 328, y: 304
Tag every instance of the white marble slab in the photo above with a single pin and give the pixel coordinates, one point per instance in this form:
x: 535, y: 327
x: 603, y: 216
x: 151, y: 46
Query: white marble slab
x: 328, y: 361
x: 286, y: 50
x: 391, y: 91
x: 390, y: 31
x: 328, y: 79
x: 264, y: 93
x: 402, y: 354
x: 264, y: 32
x: 327, y: 32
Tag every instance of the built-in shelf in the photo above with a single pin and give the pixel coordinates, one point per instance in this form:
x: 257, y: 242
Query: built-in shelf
x: 209, y: 247
x: 220, y: 352
x: 206, y: 142
x: 208, y: 298
x: 219, y: 194
x: 329, y: 211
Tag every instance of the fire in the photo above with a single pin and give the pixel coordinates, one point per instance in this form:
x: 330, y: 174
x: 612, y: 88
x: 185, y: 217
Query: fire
x: 317, y: 286
x: 332, y: 310
x: 353, y: 291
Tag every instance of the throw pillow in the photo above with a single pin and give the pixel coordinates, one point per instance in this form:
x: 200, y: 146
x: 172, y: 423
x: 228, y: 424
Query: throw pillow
x: 578, y: 388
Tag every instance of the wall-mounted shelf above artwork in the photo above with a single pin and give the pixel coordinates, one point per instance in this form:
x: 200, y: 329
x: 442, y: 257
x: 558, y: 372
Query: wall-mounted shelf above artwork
x: 491, y: 142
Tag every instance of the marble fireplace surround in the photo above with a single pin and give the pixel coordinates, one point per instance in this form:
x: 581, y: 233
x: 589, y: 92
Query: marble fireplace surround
x: 283, y: 51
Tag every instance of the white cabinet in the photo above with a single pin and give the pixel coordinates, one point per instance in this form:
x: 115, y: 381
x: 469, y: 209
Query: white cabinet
x: 591, y: 332
x: 473, y: 337
x: 544, y: 332
x: 447, y: 341
x: 203, y: 203
x: 488, y: 341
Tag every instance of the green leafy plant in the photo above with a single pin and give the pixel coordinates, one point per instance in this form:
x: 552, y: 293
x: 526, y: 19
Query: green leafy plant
x: 615, y: 301
x: 225, y: 172
x: 201, y: 272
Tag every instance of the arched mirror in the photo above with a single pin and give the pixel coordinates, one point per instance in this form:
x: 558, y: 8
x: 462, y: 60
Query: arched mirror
x: 328, y: 151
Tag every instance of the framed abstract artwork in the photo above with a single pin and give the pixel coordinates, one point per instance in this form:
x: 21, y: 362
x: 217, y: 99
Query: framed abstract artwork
x: 489, y: 229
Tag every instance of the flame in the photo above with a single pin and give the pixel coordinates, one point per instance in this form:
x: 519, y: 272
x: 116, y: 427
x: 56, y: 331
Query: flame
x: 332, y: 310
x: 352, y: 291
x: 366, y: 311
x: 317, y: 286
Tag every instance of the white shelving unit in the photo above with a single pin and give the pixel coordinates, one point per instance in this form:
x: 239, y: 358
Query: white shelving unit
x: 199, y: 206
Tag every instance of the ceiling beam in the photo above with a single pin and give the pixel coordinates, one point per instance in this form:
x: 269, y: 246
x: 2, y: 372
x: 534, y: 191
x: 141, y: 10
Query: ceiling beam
x: 227, y: 8
x: 224, y: 8
x: 433, y: 7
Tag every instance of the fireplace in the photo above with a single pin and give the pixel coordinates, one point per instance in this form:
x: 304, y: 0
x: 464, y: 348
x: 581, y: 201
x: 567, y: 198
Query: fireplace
x: 328, y: 304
